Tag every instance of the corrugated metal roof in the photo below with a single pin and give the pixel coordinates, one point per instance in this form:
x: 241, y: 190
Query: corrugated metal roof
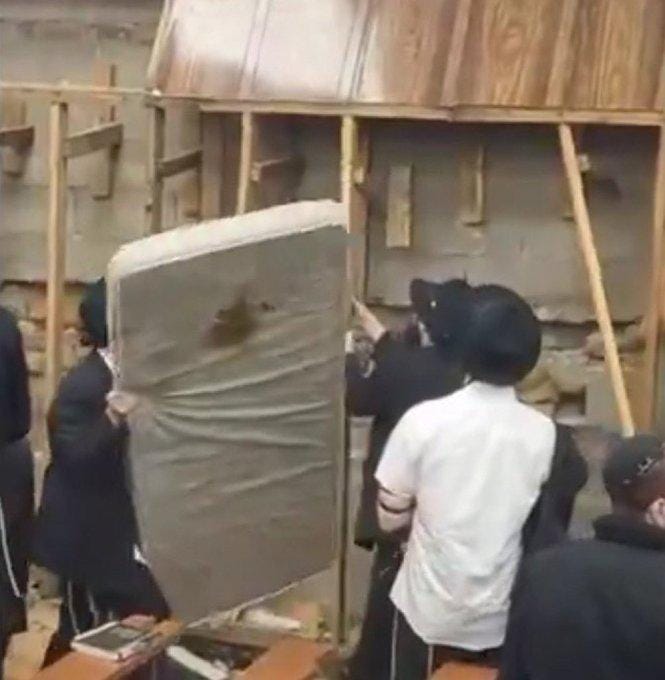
x: 566, y: 54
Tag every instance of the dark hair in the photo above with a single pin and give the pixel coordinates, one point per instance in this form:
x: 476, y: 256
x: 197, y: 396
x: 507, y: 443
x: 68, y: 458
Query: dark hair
x: 445, y: 309
x: 504, y: 338
x: 92, y: 311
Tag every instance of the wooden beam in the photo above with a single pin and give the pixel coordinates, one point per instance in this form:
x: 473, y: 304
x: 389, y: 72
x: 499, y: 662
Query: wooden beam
x: 560, y: 71
x: 656, y: 290
x: 157, y: 130
x: 472, y: 184
x: 68, y: 92
x: 594, y: 273
x: 19, y: 137
x: 261, y: 168
x: 354, y: 164
x: 15, y: 136
x: 248, y: 143
x: 399, y: 215
x: 459, y: 113
x: 56, y: 247
x: 188, y: 160
x: 104, y: 74
x: 449, y: 95
x: 93, y: 139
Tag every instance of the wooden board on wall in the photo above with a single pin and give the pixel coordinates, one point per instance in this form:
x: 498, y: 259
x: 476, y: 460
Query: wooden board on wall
x: 596, y: 55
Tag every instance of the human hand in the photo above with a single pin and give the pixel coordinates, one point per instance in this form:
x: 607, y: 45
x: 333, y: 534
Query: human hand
x: 119, y: 405
x: 371, y: 325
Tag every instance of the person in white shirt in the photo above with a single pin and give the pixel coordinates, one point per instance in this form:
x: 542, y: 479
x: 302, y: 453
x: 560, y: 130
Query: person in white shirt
x: 465, y: 472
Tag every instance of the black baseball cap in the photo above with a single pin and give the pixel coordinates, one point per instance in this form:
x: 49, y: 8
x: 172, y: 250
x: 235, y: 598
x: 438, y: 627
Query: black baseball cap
x: 631, y: 460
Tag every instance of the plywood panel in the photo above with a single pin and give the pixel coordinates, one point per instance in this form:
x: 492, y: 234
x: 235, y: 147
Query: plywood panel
x: 618, y: 49
x: 303, y: 52
x: 407, y: 49
x: 595, y: 55
x: 509, y: 50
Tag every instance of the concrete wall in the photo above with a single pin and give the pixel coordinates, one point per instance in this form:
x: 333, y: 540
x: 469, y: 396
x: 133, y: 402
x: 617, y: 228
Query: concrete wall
x: 525, y: 243
x: 50, y: 42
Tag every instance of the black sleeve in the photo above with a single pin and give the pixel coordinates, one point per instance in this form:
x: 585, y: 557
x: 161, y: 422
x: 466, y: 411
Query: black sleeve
x: 16, y: 421
x: 83, y: 439
x: 550, y: 518
x: 365, y: 394
x: 513, y: 663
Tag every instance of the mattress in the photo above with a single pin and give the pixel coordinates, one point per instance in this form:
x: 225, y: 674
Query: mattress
x: 230, y: 332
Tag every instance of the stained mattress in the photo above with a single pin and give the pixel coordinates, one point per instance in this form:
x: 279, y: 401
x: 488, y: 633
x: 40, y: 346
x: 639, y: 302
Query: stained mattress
x: 230, y: 332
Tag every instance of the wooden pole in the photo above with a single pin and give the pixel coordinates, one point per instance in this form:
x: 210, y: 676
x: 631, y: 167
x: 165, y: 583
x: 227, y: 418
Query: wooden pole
x: 592, y: 264
x: 248, y: 142
x: 652, y: 314
x: 56, y: 247
x: 158, y: 122
x: 354, y: 165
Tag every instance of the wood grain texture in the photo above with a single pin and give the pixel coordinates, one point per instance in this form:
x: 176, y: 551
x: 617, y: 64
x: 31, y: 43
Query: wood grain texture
x: 596, y: 55
x: 463, y: 671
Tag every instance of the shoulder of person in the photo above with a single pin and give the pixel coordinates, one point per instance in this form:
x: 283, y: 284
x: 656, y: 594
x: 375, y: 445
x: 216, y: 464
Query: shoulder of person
x: 86, y: 380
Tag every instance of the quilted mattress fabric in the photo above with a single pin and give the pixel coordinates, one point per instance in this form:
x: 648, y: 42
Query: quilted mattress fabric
x: 230, y: 332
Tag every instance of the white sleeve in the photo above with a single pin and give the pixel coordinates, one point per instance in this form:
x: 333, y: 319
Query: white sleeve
x: 397, y: 472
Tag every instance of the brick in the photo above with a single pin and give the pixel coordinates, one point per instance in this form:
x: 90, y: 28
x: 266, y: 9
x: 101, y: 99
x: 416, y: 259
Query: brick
x: 36, y: 362
x: 464, y: 671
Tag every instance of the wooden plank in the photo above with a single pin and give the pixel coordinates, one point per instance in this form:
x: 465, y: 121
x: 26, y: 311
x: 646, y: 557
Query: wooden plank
x: 19, y: 137
x: 458, y: 113
x: 77, y: 666
x: 261, y: 168
x: 594, y: 273
x: 289, y: 659
x: 449, y: 94
x: 652, y: 315
x: 354, y: 162
x: 94, y: 139
x: 15, y: 135
x: 68, y: 92
x: 248, y: 142
x: 104, y: 74
x: 188, y: 160
x: 465, y: 671
x: 157, y: 125
x: 399, y: 215
x: 560, y: 70
x: 56, y: 247
x: 472, y: 184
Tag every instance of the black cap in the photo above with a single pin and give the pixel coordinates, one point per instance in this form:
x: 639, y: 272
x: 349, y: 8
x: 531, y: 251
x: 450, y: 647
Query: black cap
x: 444, y: 308
x: 631, y: 460
x: 504, y: 338
x: 92, y: 311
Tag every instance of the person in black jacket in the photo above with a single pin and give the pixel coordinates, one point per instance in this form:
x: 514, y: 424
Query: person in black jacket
x: 426, y: 362
x: 86, y: 531
x: 595, y: 609
x: 16, y: 481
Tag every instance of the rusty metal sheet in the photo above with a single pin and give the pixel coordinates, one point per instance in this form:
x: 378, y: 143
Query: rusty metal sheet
x: 577, y: 54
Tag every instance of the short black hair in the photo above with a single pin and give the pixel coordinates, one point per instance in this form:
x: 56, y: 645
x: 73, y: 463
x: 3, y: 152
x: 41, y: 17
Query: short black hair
x: 92, y: 311
x: 504, y: 337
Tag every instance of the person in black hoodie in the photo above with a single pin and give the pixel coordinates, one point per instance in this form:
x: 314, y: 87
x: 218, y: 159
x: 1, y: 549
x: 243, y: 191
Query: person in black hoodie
x: 86, y: 528
x: 16, y: 481
x: 596, y: 608
x: 427, y: 361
